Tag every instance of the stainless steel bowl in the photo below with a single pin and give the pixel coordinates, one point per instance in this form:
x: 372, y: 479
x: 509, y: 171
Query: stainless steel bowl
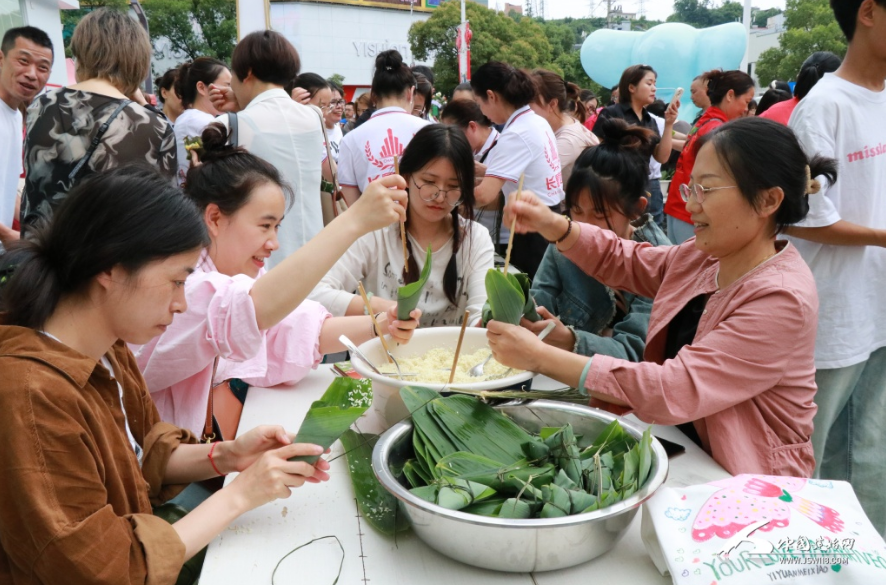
x: 502, y: 544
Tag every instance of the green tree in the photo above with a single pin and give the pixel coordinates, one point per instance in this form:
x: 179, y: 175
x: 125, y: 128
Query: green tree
x: 193, y: 28
x: 336, y: 78
x: 810, y: 27
x: 703, y: 13
x: 70, y: 18
x: 495, y: 37
x: 727, y: 12
x: 762, y: 16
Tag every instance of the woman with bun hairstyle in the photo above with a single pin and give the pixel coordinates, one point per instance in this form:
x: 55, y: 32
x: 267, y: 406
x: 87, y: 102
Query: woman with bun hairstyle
x: 192, y: 86
x: 86, y: 456
x: 439, y: 171
x: 636, y: 92
x: 367, y: 153
x: 257, y: 324
x: 552, y: 103
x: 811, y: 72
x: 730, y: 348
x: 527, y: 147
x: 730, y: 93
x: 607, y: 189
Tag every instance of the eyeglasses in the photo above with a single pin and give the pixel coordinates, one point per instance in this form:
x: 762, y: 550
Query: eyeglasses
x: 686, y: 191
x: 430, y: 192
x: 334, y: 103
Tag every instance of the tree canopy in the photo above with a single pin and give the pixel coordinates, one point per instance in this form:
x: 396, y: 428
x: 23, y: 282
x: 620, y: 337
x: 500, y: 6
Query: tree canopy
x: 810, y: 27
x: 702, y: 13
x: 193, y: 28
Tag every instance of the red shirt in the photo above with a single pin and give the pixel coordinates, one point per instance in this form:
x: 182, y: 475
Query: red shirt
x: 781, y: 112
x: 713, y: 118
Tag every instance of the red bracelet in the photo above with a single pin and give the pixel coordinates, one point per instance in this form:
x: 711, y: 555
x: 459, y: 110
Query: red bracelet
x: 211, y: 461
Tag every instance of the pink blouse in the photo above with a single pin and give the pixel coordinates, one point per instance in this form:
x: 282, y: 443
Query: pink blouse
x: 747, y: 380
x: 220, y: 321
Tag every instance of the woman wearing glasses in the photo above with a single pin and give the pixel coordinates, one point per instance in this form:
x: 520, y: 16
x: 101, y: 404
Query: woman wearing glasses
x: 731, y: 340
x: 438, y: 167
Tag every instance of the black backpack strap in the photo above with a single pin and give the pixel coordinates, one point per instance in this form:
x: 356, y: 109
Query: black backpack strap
x: 234, y: 125
x: 97, y: 140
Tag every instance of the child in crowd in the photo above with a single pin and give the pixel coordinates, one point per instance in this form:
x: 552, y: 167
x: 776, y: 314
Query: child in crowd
x: 85, y: 454
x: 257, y: 325
x: 439, y: 171
x: 729, y: 352
x: 608, y: 190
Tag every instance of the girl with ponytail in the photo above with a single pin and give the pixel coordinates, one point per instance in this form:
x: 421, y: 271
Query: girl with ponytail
x: 85, y: 454
x: 608, y: 190
x: 367, y: 153
x: 730, y: 348
x: 438, y: 167
x: 258, y: 325
x: 527, y: 147
x: 552, y: 103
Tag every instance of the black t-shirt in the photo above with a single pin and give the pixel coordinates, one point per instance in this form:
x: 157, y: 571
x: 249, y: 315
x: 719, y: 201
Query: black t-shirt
x: 681, y: 331
x: 627, y: 113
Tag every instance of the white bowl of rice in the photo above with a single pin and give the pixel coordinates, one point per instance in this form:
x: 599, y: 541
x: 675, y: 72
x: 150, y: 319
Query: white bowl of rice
x: 429, y: 354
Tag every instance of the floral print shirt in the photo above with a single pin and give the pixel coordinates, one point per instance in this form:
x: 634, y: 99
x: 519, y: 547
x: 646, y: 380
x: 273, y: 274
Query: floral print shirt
x: 61, y: 126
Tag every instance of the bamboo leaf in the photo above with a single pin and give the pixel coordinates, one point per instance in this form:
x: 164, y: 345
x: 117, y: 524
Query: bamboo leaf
x: 377, y: 505
x: 506, y: 300
x: 515, y: 508
x: 408, y: 296
x: 645, y: 457
x: 530, y: 310
x: 488, y: 507
x: 341, y: 405
x: 484, y: 430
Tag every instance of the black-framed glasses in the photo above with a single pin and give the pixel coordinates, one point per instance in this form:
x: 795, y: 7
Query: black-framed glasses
x: 687, y: 191
x: 334, y: 103
x: 430, y: 192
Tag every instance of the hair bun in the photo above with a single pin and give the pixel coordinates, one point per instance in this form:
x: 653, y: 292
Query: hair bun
x: 389, y: 60
x: 620, y: 135
x: 215, y: 143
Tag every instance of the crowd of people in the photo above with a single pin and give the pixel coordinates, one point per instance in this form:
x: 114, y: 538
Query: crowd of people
x: 158, y: 251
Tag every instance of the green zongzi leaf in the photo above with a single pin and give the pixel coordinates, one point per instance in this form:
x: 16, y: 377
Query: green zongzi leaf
x: 409, y: 295
x: 505, y: 297
x: 341, y: 405
x: 530, y: 310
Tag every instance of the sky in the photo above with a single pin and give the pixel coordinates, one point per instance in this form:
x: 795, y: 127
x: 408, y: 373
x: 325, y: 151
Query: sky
x: 655, y: 9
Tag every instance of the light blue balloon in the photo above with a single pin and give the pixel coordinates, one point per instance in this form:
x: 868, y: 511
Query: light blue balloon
x: 677, y: 52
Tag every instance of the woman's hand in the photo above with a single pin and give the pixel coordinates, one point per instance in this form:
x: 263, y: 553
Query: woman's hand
x: 223, y: 99
x: 560, y: 336
x: 514, y: 346
x: 247, y: 448
x: 400, y: 331
x: 382, y: 203
x: 671, y: 113
x: 301, y: 95
x: 534, y: 216
x: 271, y: 476
x: 479, y: 170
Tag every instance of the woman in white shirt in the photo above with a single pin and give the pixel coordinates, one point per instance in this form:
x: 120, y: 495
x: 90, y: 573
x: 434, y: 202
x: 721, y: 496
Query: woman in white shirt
x: 439, y: 170
x: 527, y: 147
x: 192, y: 86
x: 367, y: 152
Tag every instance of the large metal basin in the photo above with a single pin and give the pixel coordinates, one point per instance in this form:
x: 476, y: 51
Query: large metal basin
x: 519, y: 545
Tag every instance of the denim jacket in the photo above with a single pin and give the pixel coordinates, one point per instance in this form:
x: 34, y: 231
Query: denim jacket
x: 588, y: 306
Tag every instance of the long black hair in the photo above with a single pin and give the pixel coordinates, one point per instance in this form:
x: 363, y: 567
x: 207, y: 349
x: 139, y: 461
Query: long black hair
x: 201, y: 69
x: 126, y: 217
x: 514, y: 85
x: 392, y: 76
x: 813, y: 69
x: 614, y: 172
x: 762, y: 154
x: 430, y: 143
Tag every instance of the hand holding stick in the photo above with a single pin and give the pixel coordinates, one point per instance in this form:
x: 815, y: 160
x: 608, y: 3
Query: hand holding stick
x: 402, y: 223
x: 381, y: 335
x: 513, y: 226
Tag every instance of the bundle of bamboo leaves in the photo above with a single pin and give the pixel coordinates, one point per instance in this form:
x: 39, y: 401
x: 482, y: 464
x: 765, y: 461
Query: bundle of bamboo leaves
x: 508, y: 298
x: 471, y: 457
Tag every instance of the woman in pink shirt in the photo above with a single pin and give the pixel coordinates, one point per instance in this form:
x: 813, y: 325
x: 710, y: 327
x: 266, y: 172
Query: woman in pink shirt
x: 731, y: 336
x: 262, y: 329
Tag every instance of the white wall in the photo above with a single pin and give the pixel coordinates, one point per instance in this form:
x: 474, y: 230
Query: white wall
x: 343, y: 39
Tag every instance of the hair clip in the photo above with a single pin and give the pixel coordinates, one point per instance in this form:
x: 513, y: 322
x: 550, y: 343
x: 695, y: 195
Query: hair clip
x: 813, y: 186
x: 388, y: 68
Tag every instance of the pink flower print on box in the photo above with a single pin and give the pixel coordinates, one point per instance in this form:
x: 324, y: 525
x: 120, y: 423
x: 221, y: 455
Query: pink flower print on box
x: 745, y: 500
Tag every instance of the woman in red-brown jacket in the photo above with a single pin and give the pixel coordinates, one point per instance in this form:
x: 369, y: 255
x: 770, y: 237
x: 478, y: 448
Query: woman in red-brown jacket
x: 730, y: 93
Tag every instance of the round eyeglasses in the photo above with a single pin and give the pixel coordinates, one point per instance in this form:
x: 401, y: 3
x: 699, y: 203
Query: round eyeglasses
x: 430, y: 192
x: 686, y: 191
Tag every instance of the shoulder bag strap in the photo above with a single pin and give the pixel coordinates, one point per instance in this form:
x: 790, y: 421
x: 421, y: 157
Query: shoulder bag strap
x: 208, y: 432
x: 234, y: 125
x: 97, y: 140
x: 333, y: 167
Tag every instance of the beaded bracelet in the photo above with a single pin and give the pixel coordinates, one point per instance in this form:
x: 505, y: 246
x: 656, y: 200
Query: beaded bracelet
x: 212, y: 461
x: 568, y: 231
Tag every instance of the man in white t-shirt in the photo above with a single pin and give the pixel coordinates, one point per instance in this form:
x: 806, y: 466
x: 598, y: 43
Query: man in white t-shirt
x: 272, y: 126
x: 25, y: 64
x: 843, y: 240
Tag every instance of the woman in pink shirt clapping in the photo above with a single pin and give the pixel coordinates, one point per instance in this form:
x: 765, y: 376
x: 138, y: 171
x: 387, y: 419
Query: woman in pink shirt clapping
x: 729, y: 350
x: 262, y: 330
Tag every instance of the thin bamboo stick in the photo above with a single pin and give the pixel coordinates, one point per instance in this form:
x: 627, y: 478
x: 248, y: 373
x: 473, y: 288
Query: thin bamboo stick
x: 381, y: 335
x: 402, y: 223
x: 461, y: 337
x: 513, y: 225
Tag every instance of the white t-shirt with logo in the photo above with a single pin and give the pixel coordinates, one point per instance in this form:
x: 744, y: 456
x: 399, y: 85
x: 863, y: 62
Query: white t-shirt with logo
x: 190, y: 123
x: 527, y: 146
x: 10, y: 160
x: 844, y: 121
x: 335, y: 135
x: 367, y: 153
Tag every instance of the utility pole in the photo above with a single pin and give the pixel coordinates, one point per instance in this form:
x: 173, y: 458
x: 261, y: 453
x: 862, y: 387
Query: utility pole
x: 746, y: 17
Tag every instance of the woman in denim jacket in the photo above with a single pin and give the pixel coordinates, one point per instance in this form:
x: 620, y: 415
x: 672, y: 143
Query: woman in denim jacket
x: 606, y: 189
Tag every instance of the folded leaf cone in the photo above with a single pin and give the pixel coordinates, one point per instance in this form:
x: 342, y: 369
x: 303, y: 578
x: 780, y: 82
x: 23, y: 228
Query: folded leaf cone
x: 341, y: 405
x: 408, y: 296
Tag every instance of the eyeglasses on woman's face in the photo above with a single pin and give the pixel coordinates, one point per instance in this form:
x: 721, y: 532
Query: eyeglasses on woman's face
x: 700, y: 192
x: 430, y: 192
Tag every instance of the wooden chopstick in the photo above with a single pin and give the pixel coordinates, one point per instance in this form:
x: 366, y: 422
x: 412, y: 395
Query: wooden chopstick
x: 381, y: 335
x: 513, y: 226
x: 402, y: 223
x: 461, y: 337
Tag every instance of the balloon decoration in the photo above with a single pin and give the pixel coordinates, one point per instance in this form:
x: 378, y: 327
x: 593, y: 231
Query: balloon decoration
x: 677, y: 52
